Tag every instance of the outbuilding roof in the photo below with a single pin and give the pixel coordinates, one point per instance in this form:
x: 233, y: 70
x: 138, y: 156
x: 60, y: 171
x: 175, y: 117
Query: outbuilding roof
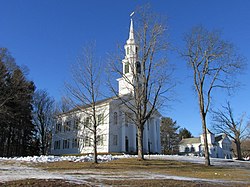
x: 186, y: 141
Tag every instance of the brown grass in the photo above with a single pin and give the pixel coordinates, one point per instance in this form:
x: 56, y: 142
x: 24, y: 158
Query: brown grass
x: 40, y: 183
x: 167, y: 167
x: 137, y: 183
x: 169, y: 183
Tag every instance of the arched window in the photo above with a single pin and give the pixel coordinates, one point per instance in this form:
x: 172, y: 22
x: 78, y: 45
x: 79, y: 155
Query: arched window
x: 136, y: 50
x: 127, y: 50
x: 186, y: 149
x: 126, y: 68
x: 115, y: 118
x: 138, y: 67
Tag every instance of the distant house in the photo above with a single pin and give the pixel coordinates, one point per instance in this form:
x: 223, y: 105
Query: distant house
x: 220, y: 146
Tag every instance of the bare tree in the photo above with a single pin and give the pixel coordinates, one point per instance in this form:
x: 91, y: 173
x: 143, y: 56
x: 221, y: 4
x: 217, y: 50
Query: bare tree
x: 145, y: 73
x: 84, y: 93
x: 63, y: 105
x: 225, y: 122
x: 43, y: 114
x: 245, y: 148
x: 215, y: 63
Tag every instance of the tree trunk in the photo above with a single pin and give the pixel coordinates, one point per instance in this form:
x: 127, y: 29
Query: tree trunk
x: 95, y: 146
x: 43, y: 146
x: 204, y: 128
x: 140, y: 143
x: 8, y: 143
x: 238, y: 149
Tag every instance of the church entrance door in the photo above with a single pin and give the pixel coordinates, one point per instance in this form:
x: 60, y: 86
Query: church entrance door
x: 126, y: 144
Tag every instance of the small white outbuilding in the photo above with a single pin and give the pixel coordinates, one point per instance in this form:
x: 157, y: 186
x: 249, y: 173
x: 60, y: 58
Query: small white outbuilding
x: 220, y: 146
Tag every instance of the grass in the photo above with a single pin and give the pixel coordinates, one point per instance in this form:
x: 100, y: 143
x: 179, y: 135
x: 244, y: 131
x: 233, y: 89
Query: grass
x: 40, y: 183
x: 165, y: 167
x: 135, y: 183
x: 170, y: 183
x: 134, y: 172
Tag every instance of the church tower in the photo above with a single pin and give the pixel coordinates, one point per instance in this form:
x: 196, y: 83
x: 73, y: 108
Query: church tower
x: 130, y: 64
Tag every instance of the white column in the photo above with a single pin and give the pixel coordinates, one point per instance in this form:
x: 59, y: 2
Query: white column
x: 122, y: 138
x: 133, y: 143
x: 145, y: 137
x: 157, y: 137
x: 154, y: 135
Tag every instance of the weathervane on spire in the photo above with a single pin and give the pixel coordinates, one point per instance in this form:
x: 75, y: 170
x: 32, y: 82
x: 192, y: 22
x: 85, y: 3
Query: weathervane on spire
x: 132, y: 14
x: 131, y: 31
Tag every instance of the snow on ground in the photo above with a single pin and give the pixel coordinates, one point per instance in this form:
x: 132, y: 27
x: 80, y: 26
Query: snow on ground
x: 105, y: 158
x: 201, y: 160
x: 36, y: 159
x: 13, y: 169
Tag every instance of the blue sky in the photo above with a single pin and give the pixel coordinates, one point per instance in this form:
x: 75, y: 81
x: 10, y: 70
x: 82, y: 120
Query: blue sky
x: 47, y: 36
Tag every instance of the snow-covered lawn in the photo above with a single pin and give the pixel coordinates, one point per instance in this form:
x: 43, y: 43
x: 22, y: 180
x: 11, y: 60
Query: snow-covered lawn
x: 14, y: 169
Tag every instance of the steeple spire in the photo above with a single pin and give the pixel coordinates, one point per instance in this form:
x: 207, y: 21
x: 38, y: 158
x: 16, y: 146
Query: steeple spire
x: 131, y: 39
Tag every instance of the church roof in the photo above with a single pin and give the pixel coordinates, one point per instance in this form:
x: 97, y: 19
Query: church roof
x: 106, y: 100
x: 186, y: 141
x: 209, y: 132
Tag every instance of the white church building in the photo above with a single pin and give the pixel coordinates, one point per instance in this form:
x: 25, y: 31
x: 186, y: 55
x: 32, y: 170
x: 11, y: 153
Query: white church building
x: 220, y: 146
x: 117, y: 133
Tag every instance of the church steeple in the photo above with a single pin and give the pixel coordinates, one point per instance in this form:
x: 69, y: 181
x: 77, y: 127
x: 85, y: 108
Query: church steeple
x: 131, y: 50
x: 131, y: 65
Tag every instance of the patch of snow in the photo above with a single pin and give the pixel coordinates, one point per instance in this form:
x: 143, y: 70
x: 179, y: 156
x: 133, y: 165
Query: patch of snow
x: 14, y: 170
x: 50, y: 158
x: 106, y: 158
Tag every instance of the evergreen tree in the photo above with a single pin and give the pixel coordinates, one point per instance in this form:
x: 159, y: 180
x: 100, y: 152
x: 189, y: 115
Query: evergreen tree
x: 169, y: 136
x: 17, y: 130
x: 184, y: 133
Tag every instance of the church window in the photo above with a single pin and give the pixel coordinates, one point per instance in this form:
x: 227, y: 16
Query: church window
x: 67, y: 126
x: 127, y: 50
x: 100, y: 119
x: 57, y: 144
x: 87, y: 122
x: 66, y: 144
x: 115, y: 118
x: 128, y: 118
x: 100, y: 140
x: 126, y: 68
x: 87, y: 142
x: 58, y: 127
x: 75, y: 143
x: 138, y: 67
x: 76, y: 124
